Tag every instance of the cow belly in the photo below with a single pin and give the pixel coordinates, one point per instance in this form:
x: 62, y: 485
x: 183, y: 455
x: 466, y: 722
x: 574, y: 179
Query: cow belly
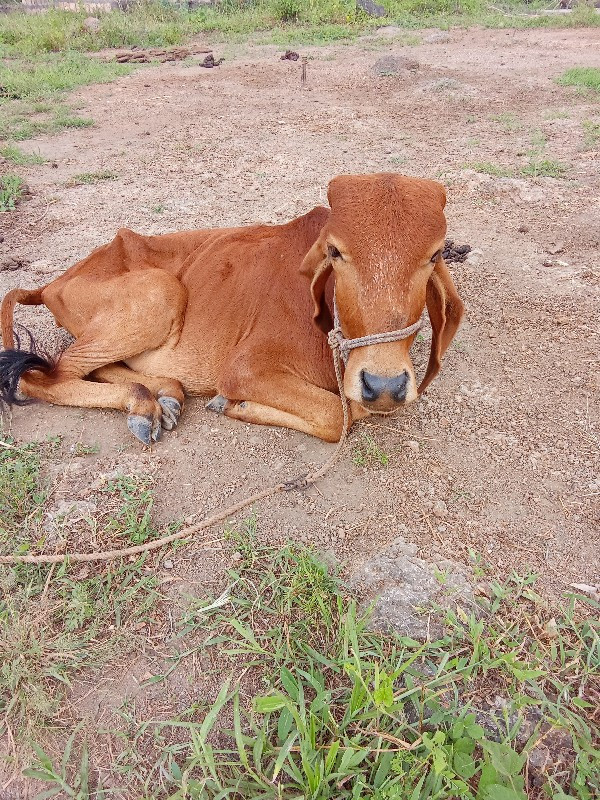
x: 198, y: 377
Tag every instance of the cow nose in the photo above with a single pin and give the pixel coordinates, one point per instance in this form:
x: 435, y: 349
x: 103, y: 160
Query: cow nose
x: 373, y: 386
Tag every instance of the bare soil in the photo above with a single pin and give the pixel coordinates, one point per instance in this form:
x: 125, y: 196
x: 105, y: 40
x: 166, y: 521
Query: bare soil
x: 507, y: 436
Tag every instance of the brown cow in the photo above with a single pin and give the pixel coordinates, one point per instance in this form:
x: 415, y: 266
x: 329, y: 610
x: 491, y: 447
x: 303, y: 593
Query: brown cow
x: 230, y: 311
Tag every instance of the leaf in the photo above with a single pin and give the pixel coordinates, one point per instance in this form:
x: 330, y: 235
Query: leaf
x: 283, y: 754
x: 269, y: 703
x: 464, y: 745
x: 464, y: 765
x: 497, y: 792
x: 488, y: 776
x: 284, y: 724
x: 475, y: 731
x: 209, y: 719
x: 506, y: 760
x: 331, y: 756
x: 289, y: 683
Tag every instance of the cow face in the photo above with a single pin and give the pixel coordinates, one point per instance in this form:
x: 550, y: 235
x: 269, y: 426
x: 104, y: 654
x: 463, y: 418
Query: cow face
x: 383, y: 242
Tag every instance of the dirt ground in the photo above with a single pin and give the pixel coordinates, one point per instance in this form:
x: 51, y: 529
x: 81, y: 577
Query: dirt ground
x: 507, y: 436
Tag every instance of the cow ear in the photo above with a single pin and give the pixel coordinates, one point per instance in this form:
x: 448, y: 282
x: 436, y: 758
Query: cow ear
x: 445, y: 310
x: 317, y: 268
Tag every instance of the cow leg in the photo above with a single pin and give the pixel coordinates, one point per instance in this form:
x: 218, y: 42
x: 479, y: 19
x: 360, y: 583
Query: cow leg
x: 104, y: 342
x: 287, y: 401
x: 168, y: 391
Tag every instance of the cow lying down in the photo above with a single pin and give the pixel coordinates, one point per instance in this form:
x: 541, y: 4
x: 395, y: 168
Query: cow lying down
x: 243, y: 313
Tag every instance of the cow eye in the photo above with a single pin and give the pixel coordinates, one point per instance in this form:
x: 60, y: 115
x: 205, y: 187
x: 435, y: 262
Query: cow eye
x: 333, y: 252
x: 435, y: 256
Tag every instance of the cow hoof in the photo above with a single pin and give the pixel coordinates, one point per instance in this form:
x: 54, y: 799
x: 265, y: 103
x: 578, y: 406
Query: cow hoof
x: 217, y: 404
x: 145, y: 429
x: 171, y: 409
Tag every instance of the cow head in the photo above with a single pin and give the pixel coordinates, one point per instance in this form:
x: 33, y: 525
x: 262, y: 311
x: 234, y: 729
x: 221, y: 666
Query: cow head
x: 383, y: 241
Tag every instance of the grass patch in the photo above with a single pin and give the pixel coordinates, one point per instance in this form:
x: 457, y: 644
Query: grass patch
x: 488, y: 168
x: 368, y: 452
x: 32, y: 79
x: 591, y: 134
x: 14, y: 155
x: 56, y: 622
x: 20, y: 120
x: 91, y: 178
x: 582, y: 77
x: 11, y: 191
x: 338, y: 711
x: 544, y: 168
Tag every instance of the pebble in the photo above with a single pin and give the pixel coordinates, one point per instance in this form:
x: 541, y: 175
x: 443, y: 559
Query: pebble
x: 167, y: 564
x: 413, y: 445
x: 237, y: 556
x: 440, y: 509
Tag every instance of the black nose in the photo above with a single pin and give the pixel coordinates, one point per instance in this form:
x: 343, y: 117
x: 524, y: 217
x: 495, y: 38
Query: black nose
x: 373, y: 386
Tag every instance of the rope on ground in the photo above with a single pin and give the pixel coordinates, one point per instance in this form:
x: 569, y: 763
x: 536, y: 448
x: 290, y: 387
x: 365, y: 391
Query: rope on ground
x: 221, y: 516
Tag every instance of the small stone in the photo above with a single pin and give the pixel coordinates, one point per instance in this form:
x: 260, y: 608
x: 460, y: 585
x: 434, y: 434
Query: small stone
x: 167, y: 564
x: 415, y: 446
x: 523, y: 229
x: 440, y: 509
x: 237, y: 556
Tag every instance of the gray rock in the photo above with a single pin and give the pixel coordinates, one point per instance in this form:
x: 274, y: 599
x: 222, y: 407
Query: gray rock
x: 91, y: 24
x: 371, y: 8
x: 406, y: 587
x: 437, y: 37
x: 394, y: 65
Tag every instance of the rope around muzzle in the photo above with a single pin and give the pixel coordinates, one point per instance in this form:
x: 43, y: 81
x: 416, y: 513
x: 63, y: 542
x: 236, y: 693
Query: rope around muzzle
x: 297, y: 484
x: 346, y: 345
x: 340, y: 347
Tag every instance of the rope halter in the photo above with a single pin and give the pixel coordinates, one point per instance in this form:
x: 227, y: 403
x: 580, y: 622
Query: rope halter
x: 339, y: 343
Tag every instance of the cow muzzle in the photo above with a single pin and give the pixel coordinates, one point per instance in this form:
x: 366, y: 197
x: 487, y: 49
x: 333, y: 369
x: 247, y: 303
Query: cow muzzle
x: 382, y: 394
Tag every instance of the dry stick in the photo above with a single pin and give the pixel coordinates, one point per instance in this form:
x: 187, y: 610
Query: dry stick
x: 184, y: 533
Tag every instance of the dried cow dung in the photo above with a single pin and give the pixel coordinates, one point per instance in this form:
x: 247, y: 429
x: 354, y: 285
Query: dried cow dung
x: 290, y: 55
x: 210, y: 61
x: 455, y: 253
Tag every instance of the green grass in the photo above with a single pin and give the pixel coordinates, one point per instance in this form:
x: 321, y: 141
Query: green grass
x: 591, y: 134
x: 544, y: 168
x: 91, y: 178
x: 339, y: 712
x: 14, y: 155
x: 368, y: 452
x: 582, y: 77
x: 11, y: 191
x: 20, y: 120
x: 488, y: 168
x: 56, y: 622
x: 23, y: 78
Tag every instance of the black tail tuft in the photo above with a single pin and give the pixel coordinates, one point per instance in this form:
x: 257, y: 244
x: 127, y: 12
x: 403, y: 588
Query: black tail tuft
x: 13, y: 363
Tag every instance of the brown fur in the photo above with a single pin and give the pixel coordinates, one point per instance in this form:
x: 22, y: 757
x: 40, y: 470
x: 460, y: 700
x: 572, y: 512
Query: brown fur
x: 230, y: 310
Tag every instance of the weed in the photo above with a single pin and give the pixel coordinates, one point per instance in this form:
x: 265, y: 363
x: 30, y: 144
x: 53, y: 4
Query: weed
x: 158, y: 209
x: 582, y: 77
x: 14, y: 155
x: 55, y: 622
x: 34, y: 79
x: 591, y: 134
x: 508, y: 121
x: 90, y: 178
x: 11, y: 191
x: 80, y: 449
x: 347, y: 713
x: 491, y: 169
x: 369, y: 452
x: 544, y: 168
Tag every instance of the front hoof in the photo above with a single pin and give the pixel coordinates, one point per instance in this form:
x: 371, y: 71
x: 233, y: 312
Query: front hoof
x: 217, y: 404
x: 146, y: 429
x: 171, y: 409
